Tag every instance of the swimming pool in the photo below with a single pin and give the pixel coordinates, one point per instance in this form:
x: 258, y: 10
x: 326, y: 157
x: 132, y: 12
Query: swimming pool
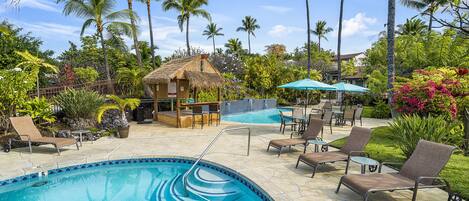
x: 133, y: 179
x: 269, y: 116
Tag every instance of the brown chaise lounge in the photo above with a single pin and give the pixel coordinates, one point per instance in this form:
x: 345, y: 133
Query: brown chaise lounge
x: 311, y: 133
x: 419, y: 171
x: 355, y: 145
x: 28, y: 132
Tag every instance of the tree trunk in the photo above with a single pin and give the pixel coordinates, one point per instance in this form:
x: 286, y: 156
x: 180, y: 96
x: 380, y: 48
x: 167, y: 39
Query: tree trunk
x: 134, y: 34
x: 430, y: 22
x: 390, y: 53
x: 309, y: 38
x: 106, y: 64
x: 319, y: 44
x: 249, y: 42
x: 339, y: 42
x: 187, y: 38
x: 213, y: 41
x: 152, y: 44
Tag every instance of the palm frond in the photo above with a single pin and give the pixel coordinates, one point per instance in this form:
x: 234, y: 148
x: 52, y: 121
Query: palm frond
x: 123, y: 27
x: 86, y: 24
x: 103, y: 109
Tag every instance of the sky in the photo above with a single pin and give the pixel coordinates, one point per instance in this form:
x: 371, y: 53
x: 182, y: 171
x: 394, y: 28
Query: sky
x: 281, y: 21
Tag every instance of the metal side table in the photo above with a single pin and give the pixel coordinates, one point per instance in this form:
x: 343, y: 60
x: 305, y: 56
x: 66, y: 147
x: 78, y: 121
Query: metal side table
x: 365, y: 161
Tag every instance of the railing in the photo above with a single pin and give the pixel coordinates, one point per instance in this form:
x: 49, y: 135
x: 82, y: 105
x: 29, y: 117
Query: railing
x: 100, y: 87
x: 184, y: 177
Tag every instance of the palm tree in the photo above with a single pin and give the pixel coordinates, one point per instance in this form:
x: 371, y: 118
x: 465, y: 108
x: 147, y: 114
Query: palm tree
x: 133, y: 16
x: 35, y: 64
x: 321, y: 30
x: 390, y: 52
x: 211, y: 31
x: 100, y: 14
x: 150, y: 26
x: 309, y: 38
x: 187, y: 8
x: 234, y: 46
x: 131, y: 80
x: 428, y: 7
x: 339, y: 40
x: 412, y: 27
x: 249, y: 25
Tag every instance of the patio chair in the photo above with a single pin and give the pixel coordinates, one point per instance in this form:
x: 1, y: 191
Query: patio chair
x: 418, y: 172
x: 327, y: 106
x: 355, y: 144
x: 197, y: 111
x: 214, y: 109
x: 311, y: 133
x: 284, y: 122
x: 349, y: 115
x: 327, y: 118
x: 28, y: 132
x: 358, y: 115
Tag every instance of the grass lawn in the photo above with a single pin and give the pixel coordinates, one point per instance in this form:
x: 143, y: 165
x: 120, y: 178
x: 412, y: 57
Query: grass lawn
x: 382, y: 148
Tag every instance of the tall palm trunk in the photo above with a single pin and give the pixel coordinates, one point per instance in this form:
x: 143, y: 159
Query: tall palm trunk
x: 213, y: 41
x: 319, y: 44
x: 134, y: 34
x: 249, y: 42
x: 309, y: 38
x: 339, y: 42
x: 187, y: 38
x: 152, y: 44
x: 390, y: 53
x: 106, y: 64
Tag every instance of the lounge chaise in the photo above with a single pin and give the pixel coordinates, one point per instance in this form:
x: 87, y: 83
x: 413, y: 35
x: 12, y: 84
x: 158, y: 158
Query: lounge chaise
x: 311, y: 133
x: 28, y: 132
x: 419, y: 171
x: 355, y: 145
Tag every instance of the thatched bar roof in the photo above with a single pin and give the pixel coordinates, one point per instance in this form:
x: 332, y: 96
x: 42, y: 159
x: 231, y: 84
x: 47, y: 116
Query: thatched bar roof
x: 197, y: 69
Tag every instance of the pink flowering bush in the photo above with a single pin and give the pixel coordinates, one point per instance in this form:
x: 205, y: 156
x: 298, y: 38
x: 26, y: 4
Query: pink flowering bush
x: 433, y: 92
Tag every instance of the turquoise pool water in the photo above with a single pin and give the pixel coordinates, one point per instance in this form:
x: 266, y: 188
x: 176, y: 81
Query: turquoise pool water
x: 133, y: 179
x: 269, y: 116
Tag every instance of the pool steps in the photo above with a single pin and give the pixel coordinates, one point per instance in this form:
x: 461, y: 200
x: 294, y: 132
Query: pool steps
x: 202, y: 185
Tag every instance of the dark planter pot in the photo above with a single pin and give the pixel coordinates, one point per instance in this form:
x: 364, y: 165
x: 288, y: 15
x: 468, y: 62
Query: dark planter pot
x: 124, y: 132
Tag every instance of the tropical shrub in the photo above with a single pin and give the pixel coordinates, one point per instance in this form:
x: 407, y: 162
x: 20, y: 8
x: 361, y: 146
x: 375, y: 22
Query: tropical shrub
x: 79, y: 103
x: 86, y: 75
x: 130, y: 80
x: 433, y: 91
x: 39, y: 109
x: 381, y: 110
x: 120, y: 105
x: 409, y: 129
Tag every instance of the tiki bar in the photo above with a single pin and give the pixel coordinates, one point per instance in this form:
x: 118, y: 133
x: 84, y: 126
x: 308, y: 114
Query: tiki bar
x: 179, y: 81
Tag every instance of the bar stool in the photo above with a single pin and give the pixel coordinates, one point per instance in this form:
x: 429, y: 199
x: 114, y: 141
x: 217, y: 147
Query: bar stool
x: 214, y: 109
x: 197, y: 111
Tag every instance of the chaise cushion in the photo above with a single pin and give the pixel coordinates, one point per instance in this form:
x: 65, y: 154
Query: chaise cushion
x: 363, y: 183
x: 287, y: 142
x: 323, y: 157
x: 59, y: 142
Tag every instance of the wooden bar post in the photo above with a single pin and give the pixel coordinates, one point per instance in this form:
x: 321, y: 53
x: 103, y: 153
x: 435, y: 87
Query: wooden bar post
x: 155, y: 102
x: 178, y: 106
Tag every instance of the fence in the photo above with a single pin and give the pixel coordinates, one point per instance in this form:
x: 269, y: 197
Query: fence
x: 99, y: 86
x: 247, y: 105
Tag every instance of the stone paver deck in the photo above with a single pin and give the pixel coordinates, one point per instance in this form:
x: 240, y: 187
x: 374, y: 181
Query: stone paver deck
x: 277, y: 175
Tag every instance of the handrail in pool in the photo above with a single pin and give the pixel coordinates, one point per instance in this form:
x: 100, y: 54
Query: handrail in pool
x: 184, y: 177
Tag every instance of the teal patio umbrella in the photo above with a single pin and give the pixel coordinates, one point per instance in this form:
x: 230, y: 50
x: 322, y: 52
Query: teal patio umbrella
x: 346, y: 87
x: 308, y: 84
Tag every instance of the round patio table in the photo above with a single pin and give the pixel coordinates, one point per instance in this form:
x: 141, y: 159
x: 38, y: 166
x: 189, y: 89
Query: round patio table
x: 318, y: 142
x: 364, y: 161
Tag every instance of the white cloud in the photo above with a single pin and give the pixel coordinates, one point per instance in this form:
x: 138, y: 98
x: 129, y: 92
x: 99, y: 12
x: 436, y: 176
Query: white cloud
x: 34, y: 4
x: 276, y: 9
x: 281, y: 31
x: 51, y: 30
x: 359, y: 24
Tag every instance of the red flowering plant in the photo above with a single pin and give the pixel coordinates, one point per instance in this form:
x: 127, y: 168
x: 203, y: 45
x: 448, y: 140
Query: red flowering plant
x: 433, y: 91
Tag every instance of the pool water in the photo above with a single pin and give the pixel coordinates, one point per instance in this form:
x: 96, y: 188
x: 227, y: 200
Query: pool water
x: 134, y: 179
x: 269, y: 116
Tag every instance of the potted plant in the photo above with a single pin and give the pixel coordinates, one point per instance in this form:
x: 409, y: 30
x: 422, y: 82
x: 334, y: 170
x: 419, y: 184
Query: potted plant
x: 120, y: 105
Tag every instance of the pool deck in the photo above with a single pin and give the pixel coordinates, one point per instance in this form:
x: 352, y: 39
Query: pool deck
x: 277, y: 175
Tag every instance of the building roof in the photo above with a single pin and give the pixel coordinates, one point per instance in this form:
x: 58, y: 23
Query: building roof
x: 346, y: 56
x: 197, y: 69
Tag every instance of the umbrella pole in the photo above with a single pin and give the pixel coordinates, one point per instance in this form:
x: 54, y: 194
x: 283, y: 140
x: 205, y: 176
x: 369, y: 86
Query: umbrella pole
x: 306, y: 102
